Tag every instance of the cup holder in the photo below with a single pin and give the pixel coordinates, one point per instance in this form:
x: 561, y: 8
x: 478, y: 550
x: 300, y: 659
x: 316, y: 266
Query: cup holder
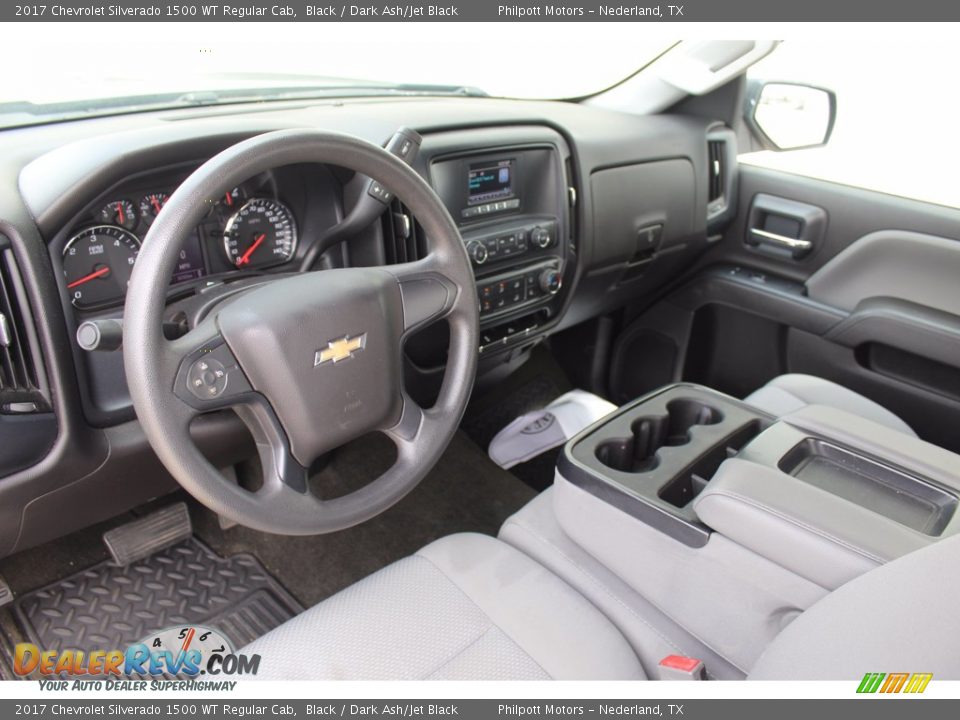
x: 638, y: 453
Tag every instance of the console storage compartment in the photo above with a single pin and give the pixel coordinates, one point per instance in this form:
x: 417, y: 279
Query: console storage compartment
x: 829, y: 495
x: 898, y: 495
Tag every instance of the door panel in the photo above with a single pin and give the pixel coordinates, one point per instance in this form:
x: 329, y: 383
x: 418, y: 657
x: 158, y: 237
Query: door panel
x: 873, y: 305
x: 851, y: 214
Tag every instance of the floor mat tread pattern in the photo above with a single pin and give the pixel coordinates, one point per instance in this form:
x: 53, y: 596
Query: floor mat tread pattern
x: 108, y: 606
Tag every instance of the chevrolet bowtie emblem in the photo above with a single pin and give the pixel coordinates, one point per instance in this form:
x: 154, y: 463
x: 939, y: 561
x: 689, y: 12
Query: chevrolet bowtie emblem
x: 340, y: 349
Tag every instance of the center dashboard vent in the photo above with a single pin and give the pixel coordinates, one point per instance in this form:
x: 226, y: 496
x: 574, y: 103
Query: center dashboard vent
x: 21, y: 388
x: 403, y: 238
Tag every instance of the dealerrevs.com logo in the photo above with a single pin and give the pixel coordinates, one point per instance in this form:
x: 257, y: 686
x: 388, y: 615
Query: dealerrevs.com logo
x: 184, y: 653
x: 890, y: 683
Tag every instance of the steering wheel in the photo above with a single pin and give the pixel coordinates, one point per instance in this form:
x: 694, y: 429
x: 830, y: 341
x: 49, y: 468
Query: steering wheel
x: 309, y: 362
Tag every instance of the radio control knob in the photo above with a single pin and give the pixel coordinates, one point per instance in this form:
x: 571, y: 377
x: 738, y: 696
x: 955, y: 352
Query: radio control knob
x: 540, y: 237
x: 477, y: 252
x: 550, y: 281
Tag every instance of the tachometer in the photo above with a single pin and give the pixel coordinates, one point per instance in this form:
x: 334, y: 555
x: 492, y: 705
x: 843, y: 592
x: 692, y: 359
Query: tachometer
x: 97, y: 263
x: 262, y: 232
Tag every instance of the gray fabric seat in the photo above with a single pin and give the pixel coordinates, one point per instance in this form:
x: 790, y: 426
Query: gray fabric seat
x: 466, y: 607
x: 901, y: 617
x: 788, y: 393
x: 470, y: 607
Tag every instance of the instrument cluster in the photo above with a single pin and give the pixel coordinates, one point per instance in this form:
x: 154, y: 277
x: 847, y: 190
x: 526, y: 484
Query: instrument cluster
x: 249, y: 228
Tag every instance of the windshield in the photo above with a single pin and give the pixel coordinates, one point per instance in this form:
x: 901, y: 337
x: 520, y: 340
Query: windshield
x: 114, y: 69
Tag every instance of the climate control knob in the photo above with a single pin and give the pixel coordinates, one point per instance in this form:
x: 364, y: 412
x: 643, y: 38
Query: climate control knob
x: 550, y: 281
x: 477, y: 252
x: 540, y: 237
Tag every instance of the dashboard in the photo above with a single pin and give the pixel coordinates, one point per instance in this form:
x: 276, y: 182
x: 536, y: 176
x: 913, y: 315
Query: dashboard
x: 249, y: 228
x: 566, y: 212
x: 252, y: 228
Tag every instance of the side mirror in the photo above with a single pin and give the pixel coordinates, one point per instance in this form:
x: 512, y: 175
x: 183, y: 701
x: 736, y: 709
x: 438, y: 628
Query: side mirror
x: 790, y: 116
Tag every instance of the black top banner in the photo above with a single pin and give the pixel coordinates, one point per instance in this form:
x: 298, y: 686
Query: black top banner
x: 484, y: 11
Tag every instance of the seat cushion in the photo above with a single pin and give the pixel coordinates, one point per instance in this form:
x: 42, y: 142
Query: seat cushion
x: 788, y: 393
x: 466, y: 607
x: 901, y: 617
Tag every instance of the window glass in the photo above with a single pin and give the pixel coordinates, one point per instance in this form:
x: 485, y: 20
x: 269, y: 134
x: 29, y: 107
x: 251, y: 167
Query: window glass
x: 897, y: 111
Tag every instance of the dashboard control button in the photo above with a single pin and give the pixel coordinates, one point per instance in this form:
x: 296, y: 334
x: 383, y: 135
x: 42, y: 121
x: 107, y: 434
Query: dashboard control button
x: 541, y: 237
x: 210, y: 374
x: 379, y: 192
x: 550, y: 281
x: 521, y: 240
x: 477, y: 252
x: 507, y: 245
x: 207, y: 378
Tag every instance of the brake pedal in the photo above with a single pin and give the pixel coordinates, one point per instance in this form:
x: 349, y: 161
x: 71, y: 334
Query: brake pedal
x: 149, y: 534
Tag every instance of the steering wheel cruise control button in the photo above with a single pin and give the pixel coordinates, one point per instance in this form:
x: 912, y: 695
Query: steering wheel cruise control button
x: 211, y: 373
x: 207, y: 378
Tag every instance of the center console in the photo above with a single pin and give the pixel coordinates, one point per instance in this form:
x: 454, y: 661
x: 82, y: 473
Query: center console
x: 689, y: 462
x: 511, y: 206
x: 728, y: 522
x: 655, y: 455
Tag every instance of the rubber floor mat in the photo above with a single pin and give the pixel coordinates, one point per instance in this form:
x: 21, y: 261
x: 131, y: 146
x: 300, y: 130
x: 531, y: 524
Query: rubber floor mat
x: 108, y: 606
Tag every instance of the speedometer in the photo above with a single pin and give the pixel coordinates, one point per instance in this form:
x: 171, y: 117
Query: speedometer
x: 262, y: 232
x: 97, y: 263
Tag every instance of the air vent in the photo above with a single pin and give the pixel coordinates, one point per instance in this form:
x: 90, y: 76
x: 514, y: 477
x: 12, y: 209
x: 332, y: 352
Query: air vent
x: 19, y: 377
x: 403, y: 238
x: 717, y: 150
x: 721, y: 179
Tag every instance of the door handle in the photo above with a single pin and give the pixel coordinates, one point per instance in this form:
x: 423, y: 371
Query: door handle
x: 795, y: 245
x: 784, y: 228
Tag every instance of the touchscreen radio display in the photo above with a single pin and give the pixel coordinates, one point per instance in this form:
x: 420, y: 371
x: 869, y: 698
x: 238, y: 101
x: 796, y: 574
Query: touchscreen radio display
x: 490, y: 181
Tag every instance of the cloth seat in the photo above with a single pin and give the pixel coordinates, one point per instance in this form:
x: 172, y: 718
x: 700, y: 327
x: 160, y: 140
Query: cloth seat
x: 466, y: 607
x: 788, y: 393
x: 900, y: 617
x: 469, y: 607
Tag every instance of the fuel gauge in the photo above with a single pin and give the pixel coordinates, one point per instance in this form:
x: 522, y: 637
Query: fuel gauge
x: 120, y: 212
